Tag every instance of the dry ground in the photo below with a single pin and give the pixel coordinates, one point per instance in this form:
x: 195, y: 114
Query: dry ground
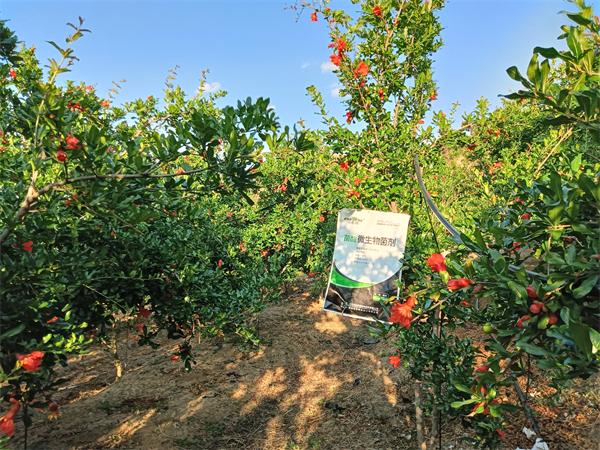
x: 314, y: 384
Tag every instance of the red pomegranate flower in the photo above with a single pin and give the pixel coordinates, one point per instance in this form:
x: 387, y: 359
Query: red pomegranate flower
x: 13, y: 74
x: 403, y: 312
x: 336, y: 59
x: 457, y: 284
x: 174, y: 358
x: 27, y: 246
x: 143, y: 312
x: 220, y: 263
x: 361, y: 69
x: 526, y: 216
x: 344, y: 166
x: 395, y: 361
x: 313, y: 17
x: 72, y: 142
x: 521, y: 320
x: 483, y: 368
x: 377, y: 11
x: 311, y: 274
x: 32, y: 361
x: 464, y: 303
x: 264, y: 252
x: 531, y: 292
x: 61, y: 156
x: 357, y: 182
x: 7, y: 425
x: 501, y: 433
x: 437, y: 263
x: 105, y: 103
x: 52, y: 320
x: 340, y: 44
x: 321, y: 219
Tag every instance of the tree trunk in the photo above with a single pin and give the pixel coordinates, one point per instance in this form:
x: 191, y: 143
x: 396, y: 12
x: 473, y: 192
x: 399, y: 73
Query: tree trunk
x: 435, y: 418
x: 116, y: 359
x: 422, y: 445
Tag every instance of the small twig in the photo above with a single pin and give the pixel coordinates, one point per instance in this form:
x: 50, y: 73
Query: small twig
x: 560, y: 141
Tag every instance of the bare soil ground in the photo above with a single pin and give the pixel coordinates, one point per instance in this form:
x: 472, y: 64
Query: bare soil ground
x: 314, y: 384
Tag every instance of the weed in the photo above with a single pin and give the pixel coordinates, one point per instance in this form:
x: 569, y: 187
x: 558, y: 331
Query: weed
x: 314, y: 442
x: 184, y: 443
x: 292, y: 446
x: 107, y: 406
x: 215, y: 429
x: 301, y: 319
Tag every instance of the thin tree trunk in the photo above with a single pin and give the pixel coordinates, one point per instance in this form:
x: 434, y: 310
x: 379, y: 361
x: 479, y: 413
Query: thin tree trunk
x: 422, y: 445
x: 434, y: 409
x: 116, y: 359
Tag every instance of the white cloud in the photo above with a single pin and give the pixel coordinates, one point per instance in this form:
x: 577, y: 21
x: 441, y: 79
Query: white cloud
x: 335, y: 92
x: 305, y: 65
x: 211, y: 87
x: 328, y: 67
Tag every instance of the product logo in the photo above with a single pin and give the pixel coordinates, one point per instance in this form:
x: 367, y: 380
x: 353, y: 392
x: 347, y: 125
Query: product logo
x: 353, y: 219
x: 349, y: 238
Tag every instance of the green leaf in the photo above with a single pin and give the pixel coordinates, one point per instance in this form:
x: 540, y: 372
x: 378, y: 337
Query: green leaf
x: 463, y: 388
x: 533, y: 350
x: 479, y: 239
x: 27, y: 420
x: 514, y: 73
x: 588, y: 185
x: 496, y: 255
x: 495, y: 409
x: 551, y: 52
x: 578, y: 19
x: 522, y: 275
x: 576, y: 164
x: 13, y: 332
x: 570, y: 254
x: 546, y: 364
x: 510, y: 408
x: 466, y: 402
x: 556, y: 185
x: 558, y: 120
x: 595, y: 340
x: 555, y: 213
x: 5, y: 390
x: 585, y: 287
x: 518, y: 290
x: 533, y: 71
x: 580, y: 334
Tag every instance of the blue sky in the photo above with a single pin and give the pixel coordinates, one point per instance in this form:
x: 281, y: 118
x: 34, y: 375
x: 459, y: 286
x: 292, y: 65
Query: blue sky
x: 256, y: 48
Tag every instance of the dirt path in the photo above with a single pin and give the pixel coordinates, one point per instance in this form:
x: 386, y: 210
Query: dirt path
x: 314, y: 384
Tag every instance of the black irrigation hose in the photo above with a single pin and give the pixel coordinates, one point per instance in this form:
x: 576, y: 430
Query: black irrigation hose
x: 447, y: 225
